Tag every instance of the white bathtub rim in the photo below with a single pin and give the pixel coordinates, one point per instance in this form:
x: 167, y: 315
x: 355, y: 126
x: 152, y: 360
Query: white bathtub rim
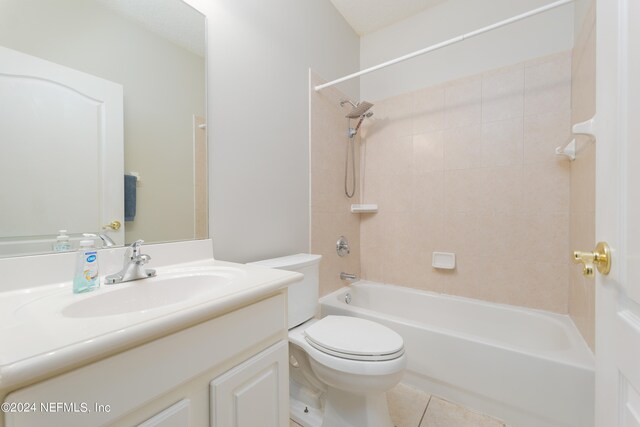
x: 564, y: 321
x: 581, y: 364
x: 579, y: 355
x: 557, y: 317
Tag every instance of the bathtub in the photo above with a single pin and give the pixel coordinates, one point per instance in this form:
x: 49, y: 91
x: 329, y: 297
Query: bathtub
x: 527, y: 367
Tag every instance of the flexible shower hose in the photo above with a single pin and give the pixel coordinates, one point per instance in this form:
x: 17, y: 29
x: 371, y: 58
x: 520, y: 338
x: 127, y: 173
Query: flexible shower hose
x: 350, y: 144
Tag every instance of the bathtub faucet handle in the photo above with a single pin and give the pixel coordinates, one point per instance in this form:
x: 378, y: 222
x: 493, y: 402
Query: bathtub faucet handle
x: 342, y: 247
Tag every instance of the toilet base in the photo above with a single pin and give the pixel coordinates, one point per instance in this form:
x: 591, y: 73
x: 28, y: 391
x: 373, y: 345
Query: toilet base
x: 343, y: 409
x: 312, y: 417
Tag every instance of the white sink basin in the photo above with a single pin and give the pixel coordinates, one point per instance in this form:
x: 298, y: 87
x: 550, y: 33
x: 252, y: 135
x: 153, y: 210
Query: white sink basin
x: 166, y: 289
x: 148, y: 294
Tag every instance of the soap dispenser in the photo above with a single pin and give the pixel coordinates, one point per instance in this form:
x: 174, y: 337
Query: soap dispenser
x: 62, y: 243
x: 86, y: 277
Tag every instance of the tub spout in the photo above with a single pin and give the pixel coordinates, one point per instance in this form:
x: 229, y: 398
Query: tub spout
x: 349, y: 277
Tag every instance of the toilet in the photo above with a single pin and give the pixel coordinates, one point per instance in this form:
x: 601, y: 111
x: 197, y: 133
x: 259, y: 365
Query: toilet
x: 340, y: 367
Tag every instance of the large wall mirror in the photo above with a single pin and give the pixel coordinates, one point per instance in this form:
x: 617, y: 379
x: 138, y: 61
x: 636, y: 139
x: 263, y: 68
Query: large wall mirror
x: 102, y: 106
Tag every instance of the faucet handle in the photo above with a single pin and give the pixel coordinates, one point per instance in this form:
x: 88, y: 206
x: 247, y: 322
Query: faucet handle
x: 136, y: 248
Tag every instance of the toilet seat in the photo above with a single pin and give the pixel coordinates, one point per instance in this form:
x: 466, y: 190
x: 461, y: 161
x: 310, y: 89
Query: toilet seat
x: 346, y: 366
x: 353, y: 338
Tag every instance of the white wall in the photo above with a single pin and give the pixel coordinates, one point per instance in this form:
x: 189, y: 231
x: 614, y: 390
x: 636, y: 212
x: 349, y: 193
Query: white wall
x: 258, y: 108
x: 541, y: 35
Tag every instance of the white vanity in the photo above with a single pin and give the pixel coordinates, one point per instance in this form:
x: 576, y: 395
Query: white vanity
x: 203, y: 343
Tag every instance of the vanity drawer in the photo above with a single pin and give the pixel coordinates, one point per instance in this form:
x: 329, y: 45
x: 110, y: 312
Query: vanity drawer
x: 104, y: 391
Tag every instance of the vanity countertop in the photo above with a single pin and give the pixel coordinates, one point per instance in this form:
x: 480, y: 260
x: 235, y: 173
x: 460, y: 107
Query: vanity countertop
x: 40, y: 338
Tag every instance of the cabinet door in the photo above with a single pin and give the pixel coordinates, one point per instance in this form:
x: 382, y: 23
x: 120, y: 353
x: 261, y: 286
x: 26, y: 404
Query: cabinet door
x: 254, y: 393
x: 176, y: 415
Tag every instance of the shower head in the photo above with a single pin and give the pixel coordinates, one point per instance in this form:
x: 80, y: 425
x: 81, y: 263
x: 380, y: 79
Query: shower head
x: 359, y: 110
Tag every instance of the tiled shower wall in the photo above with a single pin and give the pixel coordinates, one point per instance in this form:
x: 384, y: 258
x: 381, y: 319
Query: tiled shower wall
x: 583, y: 179
x: 469, y: 167
x: 330, y: 208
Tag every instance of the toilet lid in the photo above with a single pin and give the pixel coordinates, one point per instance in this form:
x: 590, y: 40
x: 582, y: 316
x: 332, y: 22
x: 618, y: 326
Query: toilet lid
x: 354, y: 338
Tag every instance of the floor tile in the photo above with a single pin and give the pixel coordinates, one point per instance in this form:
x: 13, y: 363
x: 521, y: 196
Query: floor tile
x: 410, y: 407
x: 441, y: 413
x: 406, y: 405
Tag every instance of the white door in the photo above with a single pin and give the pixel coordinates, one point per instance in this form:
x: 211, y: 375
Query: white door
x: 618, y: 213
x: 254, y: 393
x: 61, y: 139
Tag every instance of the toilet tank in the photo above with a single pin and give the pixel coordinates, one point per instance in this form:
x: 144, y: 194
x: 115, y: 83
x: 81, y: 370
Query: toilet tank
x: 302, y: 298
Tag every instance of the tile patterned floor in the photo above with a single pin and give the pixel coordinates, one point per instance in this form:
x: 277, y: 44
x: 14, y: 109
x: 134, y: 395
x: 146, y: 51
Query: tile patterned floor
x: 413, y: 408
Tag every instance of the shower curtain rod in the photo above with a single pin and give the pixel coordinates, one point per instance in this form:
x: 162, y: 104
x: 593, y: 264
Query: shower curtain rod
x: 445, y: 43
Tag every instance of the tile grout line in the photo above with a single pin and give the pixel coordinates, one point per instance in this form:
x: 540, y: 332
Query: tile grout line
x: 425, y: 411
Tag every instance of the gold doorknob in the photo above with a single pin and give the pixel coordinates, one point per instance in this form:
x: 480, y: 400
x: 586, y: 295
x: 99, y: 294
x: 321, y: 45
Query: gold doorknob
x: 600, y: 257
x: 113, y: 225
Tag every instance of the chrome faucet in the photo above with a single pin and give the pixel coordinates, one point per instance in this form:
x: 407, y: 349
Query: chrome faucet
x: 133, y: 266
x: 349, y: 277
x: 107, y: 241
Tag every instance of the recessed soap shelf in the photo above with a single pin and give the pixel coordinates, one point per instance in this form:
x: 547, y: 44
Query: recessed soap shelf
x: 444, y: 260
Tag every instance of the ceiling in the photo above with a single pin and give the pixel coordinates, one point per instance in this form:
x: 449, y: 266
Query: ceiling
x: 367, y: 16
x: 171, y: 19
